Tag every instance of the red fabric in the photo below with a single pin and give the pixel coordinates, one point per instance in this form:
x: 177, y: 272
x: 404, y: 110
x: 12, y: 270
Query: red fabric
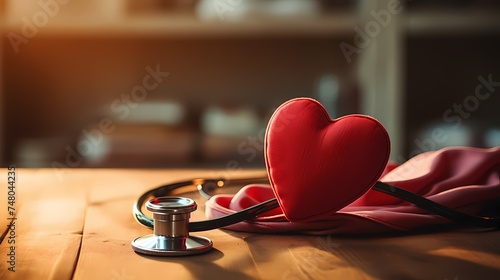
x: 321, y: 171
x: 462, y: 178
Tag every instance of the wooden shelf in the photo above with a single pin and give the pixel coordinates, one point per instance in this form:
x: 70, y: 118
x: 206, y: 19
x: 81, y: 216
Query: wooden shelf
x: 188, y: 26
x: 419, y: 22
x: 459, y: 22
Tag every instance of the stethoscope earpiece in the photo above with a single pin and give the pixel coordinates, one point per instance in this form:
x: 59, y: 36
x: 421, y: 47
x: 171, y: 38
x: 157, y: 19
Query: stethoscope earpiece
x: 171, y: 233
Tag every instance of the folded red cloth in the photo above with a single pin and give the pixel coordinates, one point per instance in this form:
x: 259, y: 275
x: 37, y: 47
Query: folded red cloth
x: 461, y: 178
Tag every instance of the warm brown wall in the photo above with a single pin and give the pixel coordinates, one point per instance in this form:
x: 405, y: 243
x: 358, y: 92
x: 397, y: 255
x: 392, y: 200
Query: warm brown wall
x: 57, y: 85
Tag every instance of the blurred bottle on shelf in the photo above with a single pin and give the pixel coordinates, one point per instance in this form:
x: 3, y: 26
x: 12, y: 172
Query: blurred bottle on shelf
x: 339, y: 96
x: 328, y: 91
x: 234, y: 10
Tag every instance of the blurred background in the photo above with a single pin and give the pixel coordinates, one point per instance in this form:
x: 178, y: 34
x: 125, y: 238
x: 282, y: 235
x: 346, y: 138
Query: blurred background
x: 192, y: 83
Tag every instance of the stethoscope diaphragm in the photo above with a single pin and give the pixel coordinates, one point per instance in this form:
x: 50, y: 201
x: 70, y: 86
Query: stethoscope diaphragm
x: 171, y: 233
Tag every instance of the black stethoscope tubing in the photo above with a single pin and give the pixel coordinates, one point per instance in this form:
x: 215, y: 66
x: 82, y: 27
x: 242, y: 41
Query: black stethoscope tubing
x: 258, y: 209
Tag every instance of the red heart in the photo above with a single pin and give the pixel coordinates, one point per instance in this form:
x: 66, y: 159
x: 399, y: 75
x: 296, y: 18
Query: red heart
x: 317, y: 165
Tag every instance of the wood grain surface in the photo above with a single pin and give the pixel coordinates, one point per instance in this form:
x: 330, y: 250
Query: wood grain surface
x: 80, y: 225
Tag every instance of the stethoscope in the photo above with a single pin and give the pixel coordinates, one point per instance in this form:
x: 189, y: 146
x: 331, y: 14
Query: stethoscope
x: 171, y: 226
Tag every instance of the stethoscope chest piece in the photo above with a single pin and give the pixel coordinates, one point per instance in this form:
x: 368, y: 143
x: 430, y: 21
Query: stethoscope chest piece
x: 171, y: 234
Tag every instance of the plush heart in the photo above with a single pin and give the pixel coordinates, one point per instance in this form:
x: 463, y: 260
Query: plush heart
x: 317, y: 165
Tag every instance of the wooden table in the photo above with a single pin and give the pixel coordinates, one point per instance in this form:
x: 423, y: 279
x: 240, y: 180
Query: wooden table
x: 77, y: 224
